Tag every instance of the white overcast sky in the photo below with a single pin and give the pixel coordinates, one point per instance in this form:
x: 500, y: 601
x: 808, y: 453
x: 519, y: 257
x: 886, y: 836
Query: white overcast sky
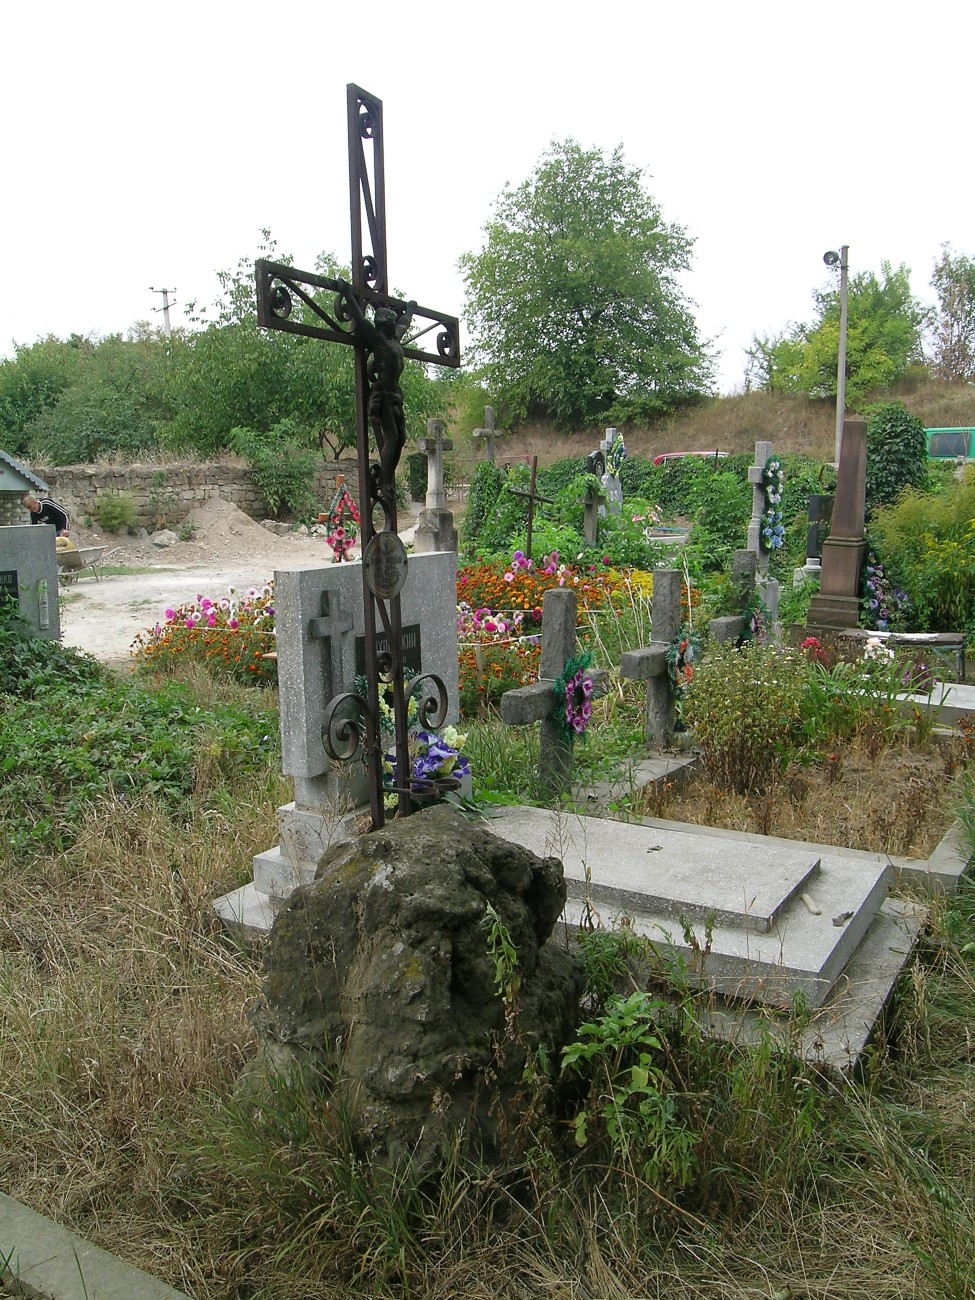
x: 148, y: 144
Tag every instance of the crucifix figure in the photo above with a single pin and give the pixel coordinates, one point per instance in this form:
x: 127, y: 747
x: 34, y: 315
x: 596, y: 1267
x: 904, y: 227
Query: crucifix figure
x: 384, y: 331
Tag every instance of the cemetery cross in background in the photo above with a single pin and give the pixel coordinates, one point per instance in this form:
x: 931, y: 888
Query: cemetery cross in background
x: 384, y: 331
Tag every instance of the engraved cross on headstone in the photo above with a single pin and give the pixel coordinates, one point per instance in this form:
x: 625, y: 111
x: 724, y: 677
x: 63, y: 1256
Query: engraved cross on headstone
x: 384, y: 331
x: 332, y: 625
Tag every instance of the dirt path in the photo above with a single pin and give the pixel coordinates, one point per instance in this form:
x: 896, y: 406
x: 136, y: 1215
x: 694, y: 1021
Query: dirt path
x: 228, y: 549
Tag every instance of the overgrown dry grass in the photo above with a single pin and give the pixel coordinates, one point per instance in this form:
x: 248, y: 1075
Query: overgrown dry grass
x: 899, y: 800
x: 123, y: 1032
x: 734, y: 424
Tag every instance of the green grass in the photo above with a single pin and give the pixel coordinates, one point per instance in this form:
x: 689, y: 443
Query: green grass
x: 124, y: 1033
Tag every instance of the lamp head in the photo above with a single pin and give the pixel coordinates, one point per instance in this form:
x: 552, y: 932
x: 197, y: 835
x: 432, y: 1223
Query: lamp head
x: 831, y: 258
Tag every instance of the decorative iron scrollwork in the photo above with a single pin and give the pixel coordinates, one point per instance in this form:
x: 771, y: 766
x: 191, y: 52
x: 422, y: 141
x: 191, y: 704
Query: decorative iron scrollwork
x: 431, y: 700
x: 367, y: 122
x: 344, y: 736
x: 280, y: 302
x: 448, y: 344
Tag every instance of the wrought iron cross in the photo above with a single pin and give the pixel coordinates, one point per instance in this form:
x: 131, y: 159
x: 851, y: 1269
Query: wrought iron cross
x: 533, y: 498
x: 384, y: 331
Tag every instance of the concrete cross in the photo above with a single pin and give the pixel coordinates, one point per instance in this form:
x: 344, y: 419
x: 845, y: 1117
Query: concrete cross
x: 435, y: 444
x: 536, y: 703
x: 649, y: 664
x: 763, y: 453
x: 435, y: 529
x: 489, y: 432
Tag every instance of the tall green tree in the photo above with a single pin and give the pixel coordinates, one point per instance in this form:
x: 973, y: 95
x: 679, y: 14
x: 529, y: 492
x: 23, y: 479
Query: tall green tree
x: 883, y: 339
x: 953, y: 326
x: 227, y: 374
x: 31, y: 382
x: 115, y: 404
x: 573, y: 303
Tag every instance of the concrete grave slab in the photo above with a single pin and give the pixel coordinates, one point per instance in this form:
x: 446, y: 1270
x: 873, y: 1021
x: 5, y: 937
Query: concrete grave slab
x: 780, y: 924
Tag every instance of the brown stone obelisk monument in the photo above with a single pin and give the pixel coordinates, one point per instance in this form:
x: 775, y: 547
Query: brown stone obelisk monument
x: 837, y: 604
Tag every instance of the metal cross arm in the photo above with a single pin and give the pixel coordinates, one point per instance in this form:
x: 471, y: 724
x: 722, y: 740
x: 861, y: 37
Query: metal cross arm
x: 279, y: 286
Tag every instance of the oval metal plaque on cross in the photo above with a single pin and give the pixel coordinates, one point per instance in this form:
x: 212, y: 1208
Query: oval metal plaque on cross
x: 384, y: 563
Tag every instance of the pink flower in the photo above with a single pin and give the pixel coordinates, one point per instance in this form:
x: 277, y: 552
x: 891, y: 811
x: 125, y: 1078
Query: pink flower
x: 170, y: 613
x: 191, y: 622
x: 509, y: 577
x: 234, y: 624
x: 211, y: 621
x: 606, y: 559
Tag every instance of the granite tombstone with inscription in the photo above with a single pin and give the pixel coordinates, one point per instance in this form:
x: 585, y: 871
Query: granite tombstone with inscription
x: 321, y: 649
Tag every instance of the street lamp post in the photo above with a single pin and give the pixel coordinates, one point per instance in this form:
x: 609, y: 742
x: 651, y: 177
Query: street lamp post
x: 831, y: 259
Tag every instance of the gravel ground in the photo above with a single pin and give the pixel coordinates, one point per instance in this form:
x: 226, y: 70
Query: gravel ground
x: 228, y: 549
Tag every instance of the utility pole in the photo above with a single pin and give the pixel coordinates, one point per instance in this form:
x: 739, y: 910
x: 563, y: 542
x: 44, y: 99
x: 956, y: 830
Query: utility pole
x: 164, y: 308
x: 841, y: 363
x: 831, y: 259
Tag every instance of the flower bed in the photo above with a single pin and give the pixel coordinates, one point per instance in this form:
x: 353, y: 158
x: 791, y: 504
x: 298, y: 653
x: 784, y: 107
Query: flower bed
x: 229, y: 636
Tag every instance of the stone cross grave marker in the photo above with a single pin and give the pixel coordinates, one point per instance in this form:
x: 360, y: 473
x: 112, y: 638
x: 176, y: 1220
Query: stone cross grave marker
x: 768, y: 587
x: 29, y: 575
x: 489, y: 433
x: 649, y: 664
x: 763, y: 453
x: 321, y: 647
x: 611, y: 482
x: 435, y: 529
x: 593, y: 502
x: 536, y: 703
x: 744, y: 582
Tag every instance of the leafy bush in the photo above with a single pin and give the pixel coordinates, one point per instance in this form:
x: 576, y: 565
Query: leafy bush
x: 724, y: 507
x: 416, y: 474
x: 505, y: 520
x: 640, y: 477
x: 486, y: 484
x: 927, y: 544
x: 283, y: 465
x: 745, y: 709
x: 897, y: 454
x: 72, y: 733
x: 29, y: 665
x: 555, y: 477
x: 115, y: 512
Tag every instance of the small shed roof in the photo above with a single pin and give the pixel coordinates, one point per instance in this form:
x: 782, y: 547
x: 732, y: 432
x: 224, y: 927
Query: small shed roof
x: 15, y: 477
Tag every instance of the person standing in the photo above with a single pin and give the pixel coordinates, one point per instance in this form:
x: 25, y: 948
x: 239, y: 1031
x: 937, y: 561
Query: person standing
x: 43, y: 510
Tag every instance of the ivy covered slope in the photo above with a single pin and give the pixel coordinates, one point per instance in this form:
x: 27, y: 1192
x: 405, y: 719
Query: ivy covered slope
x: 72, y: 733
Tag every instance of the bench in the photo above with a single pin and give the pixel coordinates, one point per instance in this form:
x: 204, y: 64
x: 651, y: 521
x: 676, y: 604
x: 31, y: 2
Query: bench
x: 938, y: 643
x: 73, y: 562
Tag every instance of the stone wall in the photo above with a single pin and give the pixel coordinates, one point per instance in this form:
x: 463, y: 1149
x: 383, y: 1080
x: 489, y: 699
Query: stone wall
x: 164, y: 495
